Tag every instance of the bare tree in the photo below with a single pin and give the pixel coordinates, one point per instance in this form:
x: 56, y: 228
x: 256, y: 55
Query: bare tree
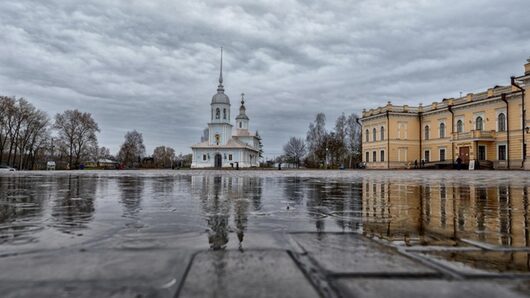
x: 104, y: 152
x: 316, y: 138
x: 77, y: 134
x: 22, y: 127
x: 7, y: 116
x: 354, y: 139
x: 132, y: 150
x: 341, y: 132
x: 164, y: 157
x: 295, y: 150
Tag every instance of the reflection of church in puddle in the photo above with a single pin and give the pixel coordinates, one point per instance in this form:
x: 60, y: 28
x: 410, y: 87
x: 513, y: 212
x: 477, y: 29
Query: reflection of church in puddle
x: 226, y: 203
x: 221, y: 146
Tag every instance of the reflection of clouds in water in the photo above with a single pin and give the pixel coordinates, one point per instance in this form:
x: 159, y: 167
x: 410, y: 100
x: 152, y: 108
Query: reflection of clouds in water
x: 73, y: 207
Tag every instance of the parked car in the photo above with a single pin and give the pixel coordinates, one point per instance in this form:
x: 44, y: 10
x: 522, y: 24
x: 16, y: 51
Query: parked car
x: 4, y: 168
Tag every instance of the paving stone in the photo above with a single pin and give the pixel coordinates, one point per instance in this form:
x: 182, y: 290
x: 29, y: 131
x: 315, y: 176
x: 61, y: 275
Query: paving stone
x: 156, y: 268
x: 80, y: 290
x: 246, y: 274
x: 355, y: 254
x: 396, y: 288
x: 483, y: 262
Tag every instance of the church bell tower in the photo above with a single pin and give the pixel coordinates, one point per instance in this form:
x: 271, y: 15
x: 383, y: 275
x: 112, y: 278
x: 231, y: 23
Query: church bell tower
x: 220, y: 129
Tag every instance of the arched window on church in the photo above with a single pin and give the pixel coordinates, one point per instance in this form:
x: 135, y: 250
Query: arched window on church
x: 240, y: 124
x: 217, y: 139
x: 224, y: 114
x: 217, y: 113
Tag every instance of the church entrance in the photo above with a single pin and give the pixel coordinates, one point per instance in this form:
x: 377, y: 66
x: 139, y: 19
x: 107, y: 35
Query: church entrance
x: 218, y: 160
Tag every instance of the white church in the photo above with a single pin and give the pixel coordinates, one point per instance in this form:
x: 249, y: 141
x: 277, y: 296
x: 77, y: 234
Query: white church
x: 222, y: 146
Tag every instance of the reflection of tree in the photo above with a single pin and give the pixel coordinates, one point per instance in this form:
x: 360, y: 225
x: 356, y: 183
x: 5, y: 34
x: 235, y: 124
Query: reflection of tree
x: 131, y: 189
x: 341, y: 200
x: 74, y: 206
x: 20, y: 206
x: 294, y: 190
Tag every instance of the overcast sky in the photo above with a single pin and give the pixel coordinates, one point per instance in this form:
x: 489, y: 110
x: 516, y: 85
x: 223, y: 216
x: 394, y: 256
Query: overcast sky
x: 153, y: 65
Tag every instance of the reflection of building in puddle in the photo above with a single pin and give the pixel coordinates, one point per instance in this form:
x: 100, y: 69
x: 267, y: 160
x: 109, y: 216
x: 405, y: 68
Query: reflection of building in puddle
x: 390, y: 209
x: 225, y: 197
x: 444, y: 213
x: 73, y: 206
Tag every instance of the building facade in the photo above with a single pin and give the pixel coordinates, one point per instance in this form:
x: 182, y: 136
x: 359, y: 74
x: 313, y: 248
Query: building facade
x: 222, y: 146
x: 490, y: 128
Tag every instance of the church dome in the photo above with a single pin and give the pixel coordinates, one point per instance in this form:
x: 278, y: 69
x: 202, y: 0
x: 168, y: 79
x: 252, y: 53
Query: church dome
x: 220, y: 97
x: 242, y: 116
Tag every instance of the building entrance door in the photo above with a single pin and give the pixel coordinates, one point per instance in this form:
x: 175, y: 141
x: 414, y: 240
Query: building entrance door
x: 481, y: 152
x: 218, y: 160
x: 463, y: 153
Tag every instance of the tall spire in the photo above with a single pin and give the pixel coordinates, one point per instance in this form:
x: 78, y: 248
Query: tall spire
x: 221, y: 70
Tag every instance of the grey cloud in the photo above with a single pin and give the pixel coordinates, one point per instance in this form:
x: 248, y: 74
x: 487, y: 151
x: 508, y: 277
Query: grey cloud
x: 153, y: 65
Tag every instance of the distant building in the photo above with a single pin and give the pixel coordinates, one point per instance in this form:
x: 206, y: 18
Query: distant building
x: 102, y: 163
x: 221, y: 146
x: 489, y: 128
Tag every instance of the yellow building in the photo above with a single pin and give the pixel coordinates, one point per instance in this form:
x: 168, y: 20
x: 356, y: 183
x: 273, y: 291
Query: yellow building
x: 489, y: 128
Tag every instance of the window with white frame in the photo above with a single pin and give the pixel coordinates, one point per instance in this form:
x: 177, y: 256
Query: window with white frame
x: 479, y: 125
x: 460, y: 126
x: 501, y: 122
x: 501, y: 152
x: 442, y: 130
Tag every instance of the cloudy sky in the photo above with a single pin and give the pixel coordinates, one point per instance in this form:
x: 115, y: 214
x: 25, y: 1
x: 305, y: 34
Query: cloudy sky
x: 153, y: 65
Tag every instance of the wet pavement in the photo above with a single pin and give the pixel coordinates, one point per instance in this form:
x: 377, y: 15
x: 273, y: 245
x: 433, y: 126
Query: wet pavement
x: 265, y: 234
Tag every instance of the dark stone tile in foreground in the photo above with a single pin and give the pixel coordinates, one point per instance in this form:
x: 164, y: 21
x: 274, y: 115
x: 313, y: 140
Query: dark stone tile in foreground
x: 158, y: 268
x: 80, y: 290
x: 408, y: 288
x: 246, y: 274
x: 355, y: 254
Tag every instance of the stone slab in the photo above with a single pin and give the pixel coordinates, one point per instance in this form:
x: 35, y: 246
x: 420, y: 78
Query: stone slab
x: 483, y: 262
x: 251, y: 273
x: 156, y: 268
x: 408, y: 288
x: 80, y: 290
x: 355, y: 254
